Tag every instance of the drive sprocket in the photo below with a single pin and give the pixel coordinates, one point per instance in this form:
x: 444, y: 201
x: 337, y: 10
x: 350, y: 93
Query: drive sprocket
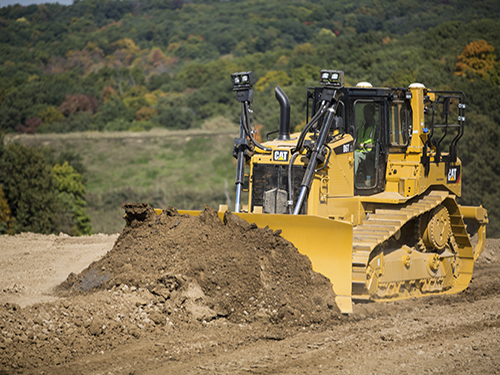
x: 438, y: 230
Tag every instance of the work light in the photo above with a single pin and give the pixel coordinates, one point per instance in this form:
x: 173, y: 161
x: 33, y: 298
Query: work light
x: 332, y: 78
x: 242, y: 80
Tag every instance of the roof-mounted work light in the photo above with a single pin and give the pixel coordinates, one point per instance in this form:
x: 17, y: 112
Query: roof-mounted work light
x: 332, y: 78
x: 242, y: 84
x: 242, y: 80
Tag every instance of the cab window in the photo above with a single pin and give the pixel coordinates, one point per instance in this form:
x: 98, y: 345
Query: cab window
x: 366, y: 148
x: 399, y: 124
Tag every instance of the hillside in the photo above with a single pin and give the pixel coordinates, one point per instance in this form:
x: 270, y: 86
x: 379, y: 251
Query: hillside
x: 120, y: 65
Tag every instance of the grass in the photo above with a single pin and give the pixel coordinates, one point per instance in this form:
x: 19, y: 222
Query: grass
x: 183, y: 169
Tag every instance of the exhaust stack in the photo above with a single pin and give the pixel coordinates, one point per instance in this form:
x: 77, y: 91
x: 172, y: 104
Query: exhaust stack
x: 284, y: 130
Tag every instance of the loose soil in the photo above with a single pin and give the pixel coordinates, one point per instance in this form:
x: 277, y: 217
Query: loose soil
x: 195, y: 295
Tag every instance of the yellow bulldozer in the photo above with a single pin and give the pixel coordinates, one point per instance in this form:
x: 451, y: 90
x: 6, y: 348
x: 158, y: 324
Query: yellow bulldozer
x: 367, y: 190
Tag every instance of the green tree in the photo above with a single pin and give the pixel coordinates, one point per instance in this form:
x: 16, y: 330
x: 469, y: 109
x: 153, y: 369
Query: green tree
x: 26, y: 101
x: 174, y: 113
x: 73, y: 218
x: 481, y: 169
x: 29, y: 188
x: 113, y: 109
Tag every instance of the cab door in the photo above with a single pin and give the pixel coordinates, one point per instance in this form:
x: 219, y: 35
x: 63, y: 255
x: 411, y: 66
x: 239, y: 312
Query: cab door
x: 369, y: 123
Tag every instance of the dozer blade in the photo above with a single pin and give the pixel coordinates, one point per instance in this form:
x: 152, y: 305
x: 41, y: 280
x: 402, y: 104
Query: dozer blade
x: 327, y: 243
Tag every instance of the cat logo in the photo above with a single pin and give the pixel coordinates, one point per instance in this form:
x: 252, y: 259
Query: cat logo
x: 453, y: 175
x: 280, y: 155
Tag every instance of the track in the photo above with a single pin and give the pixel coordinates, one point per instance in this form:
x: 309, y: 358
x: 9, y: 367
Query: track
x: 415, y: 271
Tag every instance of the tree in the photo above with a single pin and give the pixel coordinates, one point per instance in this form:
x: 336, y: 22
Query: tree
x: 173, y: 113
x: 145, y: 113
x: 89, y: 59
x: 477, y: 57
x: 29, y: 188
x: 27, y: 100
x: 50, y: 114
x: 134, y: 98
x: 77, y: 122
x: 273, y: 77
x: 73, y: 218
x: 79, y: 103
x: 196, y: 47
x: 305, y: 73
x: 30, y: 126
x: 113, y: 109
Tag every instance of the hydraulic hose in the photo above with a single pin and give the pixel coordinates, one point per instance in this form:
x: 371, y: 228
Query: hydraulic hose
x: 314, y: 119
x: 313, y: 161
x: 246, y: 126
x: 326, y: 161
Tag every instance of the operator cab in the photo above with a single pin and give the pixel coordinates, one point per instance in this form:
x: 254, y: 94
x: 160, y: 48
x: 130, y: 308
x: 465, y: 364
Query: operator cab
x: 379, y: 120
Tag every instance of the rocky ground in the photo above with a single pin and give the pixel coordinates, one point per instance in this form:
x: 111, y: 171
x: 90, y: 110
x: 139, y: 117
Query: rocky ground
x: 182, y: 295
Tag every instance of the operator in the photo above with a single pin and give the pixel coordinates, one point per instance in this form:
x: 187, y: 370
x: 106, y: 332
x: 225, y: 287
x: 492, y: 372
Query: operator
x: 365, y: 142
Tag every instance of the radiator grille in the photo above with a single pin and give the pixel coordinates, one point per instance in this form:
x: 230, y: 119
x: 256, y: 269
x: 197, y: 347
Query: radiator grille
x: 271, y: 176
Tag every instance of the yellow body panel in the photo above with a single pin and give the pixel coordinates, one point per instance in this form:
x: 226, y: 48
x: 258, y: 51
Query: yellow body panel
x: 407, y: 177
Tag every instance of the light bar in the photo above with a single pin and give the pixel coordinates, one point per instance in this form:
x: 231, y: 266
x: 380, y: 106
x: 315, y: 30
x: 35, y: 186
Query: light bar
x: 242, y: 80
x: 332, y: 78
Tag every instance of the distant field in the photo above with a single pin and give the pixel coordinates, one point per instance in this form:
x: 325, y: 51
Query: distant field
x: 184, y: 169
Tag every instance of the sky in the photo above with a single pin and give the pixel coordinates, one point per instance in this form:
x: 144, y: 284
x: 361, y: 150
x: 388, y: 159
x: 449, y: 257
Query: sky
x: 4, y: 3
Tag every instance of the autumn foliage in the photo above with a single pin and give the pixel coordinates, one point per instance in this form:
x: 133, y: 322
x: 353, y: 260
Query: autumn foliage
x: 477, y: 57
x: 29, y: 126
x: 79, y: 103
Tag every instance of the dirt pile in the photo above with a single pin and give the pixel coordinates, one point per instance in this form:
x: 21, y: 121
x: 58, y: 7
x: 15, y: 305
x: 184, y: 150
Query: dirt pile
x: 166, y: 274
x: 208, y: 269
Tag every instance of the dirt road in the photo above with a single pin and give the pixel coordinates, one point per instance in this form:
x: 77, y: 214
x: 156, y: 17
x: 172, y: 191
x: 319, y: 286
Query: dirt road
x: 123, y: 329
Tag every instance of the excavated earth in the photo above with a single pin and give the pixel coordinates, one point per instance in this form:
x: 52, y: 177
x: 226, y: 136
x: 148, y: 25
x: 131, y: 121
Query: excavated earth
x: 178, y: 294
